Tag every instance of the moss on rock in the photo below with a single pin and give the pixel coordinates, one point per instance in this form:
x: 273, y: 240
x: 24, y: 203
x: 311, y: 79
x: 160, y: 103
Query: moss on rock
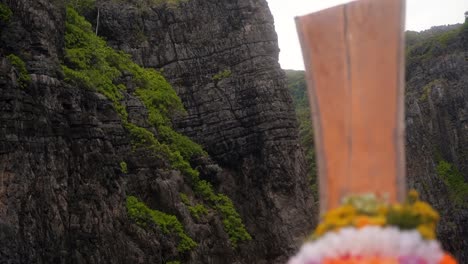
x: 143, y: 215
x: 23, y: 75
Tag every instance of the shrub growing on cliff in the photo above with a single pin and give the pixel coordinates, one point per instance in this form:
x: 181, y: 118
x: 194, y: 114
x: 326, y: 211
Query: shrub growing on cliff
x: 198, y: 210
x: 143, y: 215
x: 426, y: 90
x: 422, y: 46
x: 195, y: 210
x: 231, y: 219
x: 221, y: 75
x: 146, y: 4
x: 123, y: 167
x: 5, y: 14
x: 83, y: 6
x: 455, y: 182
x: 23, y: 76
x: 90, y: 63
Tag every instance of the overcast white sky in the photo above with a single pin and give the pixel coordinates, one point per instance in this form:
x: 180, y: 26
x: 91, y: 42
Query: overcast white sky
x: 420, y: 15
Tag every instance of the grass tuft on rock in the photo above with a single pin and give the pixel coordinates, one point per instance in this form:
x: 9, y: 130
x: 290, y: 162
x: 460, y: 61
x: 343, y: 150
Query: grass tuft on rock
x: 123, y: 167
x: 5, y: 13
x: 143, y: 216
x: 221, y: 75
x: 455, y: 182
x: 197, y: 210
x: 23, y: 75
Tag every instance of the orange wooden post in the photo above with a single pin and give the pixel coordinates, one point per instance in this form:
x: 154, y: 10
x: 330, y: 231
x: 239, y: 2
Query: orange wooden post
x: 354, y: 58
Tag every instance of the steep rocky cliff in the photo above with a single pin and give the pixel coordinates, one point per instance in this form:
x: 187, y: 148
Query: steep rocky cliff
x: 221, y: 57
x: 90, y: 168
x: 436, y: 126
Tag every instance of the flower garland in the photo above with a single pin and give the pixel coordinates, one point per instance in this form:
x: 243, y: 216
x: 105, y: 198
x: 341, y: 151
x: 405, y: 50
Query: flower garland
x: 366, y: 230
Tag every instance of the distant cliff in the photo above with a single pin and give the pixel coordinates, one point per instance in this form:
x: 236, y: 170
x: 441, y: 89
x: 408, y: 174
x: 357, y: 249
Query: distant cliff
x: 98, y: 160
x: 436, y: 126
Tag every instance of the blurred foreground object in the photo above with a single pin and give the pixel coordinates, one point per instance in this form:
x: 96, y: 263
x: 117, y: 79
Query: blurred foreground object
x: 354, y: 58
x: 365, y: 230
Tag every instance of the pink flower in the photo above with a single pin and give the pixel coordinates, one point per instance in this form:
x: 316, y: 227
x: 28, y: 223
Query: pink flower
x: 411, y: 260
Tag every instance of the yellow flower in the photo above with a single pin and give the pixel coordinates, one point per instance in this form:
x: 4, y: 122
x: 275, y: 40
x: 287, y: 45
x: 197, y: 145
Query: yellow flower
x: 426, y: 211
x: 426, y: 232
x: 378, y: 220
x: 397, y: 208
x: 362, y: 221
x: 342, y: 222
x: 365, y: 211
x: 413, y: 196
x: 321, y: 229
x: 382, y: 210
x: 344, y: 211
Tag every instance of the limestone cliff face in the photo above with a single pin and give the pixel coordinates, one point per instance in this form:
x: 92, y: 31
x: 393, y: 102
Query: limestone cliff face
x: 62, y: 191
x: 437, y: 128
x: 221, y: 57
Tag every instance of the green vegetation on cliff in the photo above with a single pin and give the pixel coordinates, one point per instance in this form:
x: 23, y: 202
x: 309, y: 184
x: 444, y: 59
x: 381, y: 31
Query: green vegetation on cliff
x: 91, y: 64
x: 221, y: 75
x: 455, y: 182
x: 298, y: 89
x: 143, y: 215
x: 197, y: 210
x: 424, y: 45
x: 426, y: 90
x: 231, y: 219
x: 5, y: 13
x: 123, y: 167
x: 23, y: 75
x: 84, y: 6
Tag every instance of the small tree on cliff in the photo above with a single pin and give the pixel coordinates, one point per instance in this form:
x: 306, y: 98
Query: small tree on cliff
x: 86, y: 7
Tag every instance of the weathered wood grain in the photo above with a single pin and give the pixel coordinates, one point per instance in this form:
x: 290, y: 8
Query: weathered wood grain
x: 354, y: 60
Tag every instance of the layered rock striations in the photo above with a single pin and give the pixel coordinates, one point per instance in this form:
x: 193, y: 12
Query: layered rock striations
x: 68, y: 162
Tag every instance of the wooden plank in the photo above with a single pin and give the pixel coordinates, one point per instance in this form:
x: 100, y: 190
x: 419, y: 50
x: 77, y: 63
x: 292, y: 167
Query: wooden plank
x: 354, y: 62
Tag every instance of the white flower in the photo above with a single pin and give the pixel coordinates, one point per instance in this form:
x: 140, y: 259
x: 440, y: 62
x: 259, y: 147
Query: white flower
x: 310, y: 252
x: 433, y: 252
x: 369, y: 241
x: 409, y: 241
x: 295, y: 260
